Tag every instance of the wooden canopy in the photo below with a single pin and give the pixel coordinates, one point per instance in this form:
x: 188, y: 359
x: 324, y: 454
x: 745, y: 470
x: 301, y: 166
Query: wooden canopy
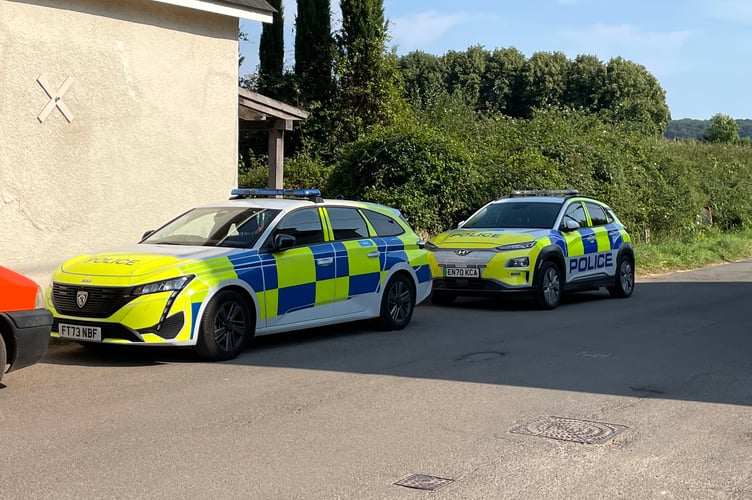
x: 258, y: 112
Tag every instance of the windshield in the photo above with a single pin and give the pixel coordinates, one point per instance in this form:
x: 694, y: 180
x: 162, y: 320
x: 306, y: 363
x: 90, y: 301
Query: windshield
x: 516, y: 215
x: 215, y: 226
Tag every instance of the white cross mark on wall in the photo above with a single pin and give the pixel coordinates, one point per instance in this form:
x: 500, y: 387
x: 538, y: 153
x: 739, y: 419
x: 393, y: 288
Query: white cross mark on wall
x: 56, y: 99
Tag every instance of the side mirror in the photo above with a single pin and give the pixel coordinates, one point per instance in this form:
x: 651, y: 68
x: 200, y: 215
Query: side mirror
x: 283, y: 241
x: 147, y: 234
x: 571, y: 225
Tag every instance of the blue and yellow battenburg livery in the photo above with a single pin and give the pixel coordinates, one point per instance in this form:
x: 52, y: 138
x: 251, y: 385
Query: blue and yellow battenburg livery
x: 264, y: 261
x: 542, y: 243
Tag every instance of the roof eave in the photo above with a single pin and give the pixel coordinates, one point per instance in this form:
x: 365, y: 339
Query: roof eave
x: 223, y: 9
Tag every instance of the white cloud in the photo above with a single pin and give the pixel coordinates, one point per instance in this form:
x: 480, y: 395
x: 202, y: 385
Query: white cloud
x: 658, y: 52
x: 420, y: 30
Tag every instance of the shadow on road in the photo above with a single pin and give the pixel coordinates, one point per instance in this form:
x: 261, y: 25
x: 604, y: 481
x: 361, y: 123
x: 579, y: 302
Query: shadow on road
x: 674, y: 340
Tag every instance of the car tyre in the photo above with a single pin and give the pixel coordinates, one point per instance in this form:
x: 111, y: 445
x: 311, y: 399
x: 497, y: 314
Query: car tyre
x: 548, y: 292
x: 397, y: 303
x: 624, y: 281
x: 226, y: 327
x: 3, y: 357
x: 442, y: 298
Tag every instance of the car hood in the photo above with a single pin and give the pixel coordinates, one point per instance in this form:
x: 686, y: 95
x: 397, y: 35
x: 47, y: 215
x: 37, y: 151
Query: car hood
x: 463, y: 238
x: 141, y: 260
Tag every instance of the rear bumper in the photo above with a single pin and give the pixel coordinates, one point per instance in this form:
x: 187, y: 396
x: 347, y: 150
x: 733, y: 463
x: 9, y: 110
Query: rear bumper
x: 27, y: 336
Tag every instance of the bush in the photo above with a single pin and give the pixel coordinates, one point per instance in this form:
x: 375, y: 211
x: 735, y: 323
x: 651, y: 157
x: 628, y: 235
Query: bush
x: 422, y: 173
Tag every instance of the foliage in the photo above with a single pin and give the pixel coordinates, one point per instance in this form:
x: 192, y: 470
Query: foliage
x: 503, y: 81
x: 722, y: 128
x: 301, y: 171
x: 314, y: 51
x: 423, y: 173
x: 272, y: 52
x: 370, y: 93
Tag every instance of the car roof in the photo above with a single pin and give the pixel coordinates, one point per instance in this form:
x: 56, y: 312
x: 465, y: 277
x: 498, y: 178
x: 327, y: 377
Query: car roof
x: 291, y: 203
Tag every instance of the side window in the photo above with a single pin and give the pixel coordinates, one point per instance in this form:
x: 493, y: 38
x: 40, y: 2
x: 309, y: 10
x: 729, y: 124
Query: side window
x: 304, y: 225
x: 576, y: 213
x: 597, y: 214
x: 383, y: 224
x: 347, y: 223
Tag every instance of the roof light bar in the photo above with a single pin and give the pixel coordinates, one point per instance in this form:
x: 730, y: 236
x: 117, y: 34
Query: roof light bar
x: 298, y: 193
x: 544, y: 192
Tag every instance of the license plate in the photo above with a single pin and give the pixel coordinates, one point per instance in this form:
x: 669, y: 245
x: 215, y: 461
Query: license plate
x: 462, y: 272
x: 80, y: 332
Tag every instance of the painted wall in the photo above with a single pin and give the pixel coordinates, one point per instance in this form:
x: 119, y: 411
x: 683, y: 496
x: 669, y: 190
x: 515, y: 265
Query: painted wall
x: 153, y: 103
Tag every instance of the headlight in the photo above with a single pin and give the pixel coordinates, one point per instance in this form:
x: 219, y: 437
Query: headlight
x: 41, y: 303
x: 518, y: 262
x: 163, y: 286
x: 517, y: 246
x: 430, y: 246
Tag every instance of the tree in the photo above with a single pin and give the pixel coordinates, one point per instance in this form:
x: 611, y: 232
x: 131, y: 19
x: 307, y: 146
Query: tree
x: 272, y: 53
x: 632, y: 94
x: 585, y: 83
x: 722, y: 128
x: 368, y: 76
x: 423, y: 77
x: 465, y: 71
x: 542, y: 82
x: 314, y: 51
x: 499, y: 87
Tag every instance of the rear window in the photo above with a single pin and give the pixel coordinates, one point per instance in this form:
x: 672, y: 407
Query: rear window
x: 383, y: 224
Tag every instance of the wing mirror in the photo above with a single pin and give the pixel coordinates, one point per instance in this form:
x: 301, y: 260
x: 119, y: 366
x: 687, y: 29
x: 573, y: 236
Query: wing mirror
x: 570, y: 225
x: 283, y: 242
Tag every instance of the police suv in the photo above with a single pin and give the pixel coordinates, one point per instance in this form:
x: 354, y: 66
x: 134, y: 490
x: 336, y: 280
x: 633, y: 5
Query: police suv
x: 264, y: 261
x: 541, y: 243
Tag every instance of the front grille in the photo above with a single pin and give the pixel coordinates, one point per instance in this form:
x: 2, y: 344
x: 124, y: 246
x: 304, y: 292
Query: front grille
x: 102, y: 302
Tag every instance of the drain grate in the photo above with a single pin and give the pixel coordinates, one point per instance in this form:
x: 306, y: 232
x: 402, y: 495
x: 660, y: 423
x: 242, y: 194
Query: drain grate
x: 424, y: 482
x: 570, y: 429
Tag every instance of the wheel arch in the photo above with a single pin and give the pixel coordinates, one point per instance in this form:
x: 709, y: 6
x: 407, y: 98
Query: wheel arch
x: 234, y: 285
x: 552, y: 253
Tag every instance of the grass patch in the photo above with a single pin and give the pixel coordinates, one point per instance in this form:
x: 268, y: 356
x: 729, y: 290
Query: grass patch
x: 698, y: 250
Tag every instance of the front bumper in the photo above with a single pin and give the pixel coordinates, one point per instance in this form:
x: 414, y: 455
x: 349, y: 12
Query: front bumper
x: 478, y: 287
x: 29, y: 336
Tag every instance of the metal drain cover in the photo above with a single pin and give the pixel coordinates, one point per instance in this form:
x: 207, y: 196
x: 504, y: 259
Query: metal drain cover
x: 423, y: 482
x: 570, y: 429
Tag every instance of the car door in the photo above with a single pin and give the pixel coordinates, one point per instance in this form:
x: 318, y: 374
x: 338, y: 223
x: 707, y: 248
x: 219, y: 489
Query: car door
x: 604, y: 260
x: 358, y: 261
x: 578, y: 241
x: 299, y: 281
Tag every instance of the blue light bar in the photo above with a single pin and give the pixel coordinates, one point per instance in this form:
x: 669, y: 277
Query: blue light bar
x: 300, y: 193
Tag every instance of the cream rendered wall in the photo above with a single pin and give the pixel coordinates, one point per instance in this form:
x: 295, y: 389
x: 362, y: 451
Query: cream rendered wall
x: 154, y: 100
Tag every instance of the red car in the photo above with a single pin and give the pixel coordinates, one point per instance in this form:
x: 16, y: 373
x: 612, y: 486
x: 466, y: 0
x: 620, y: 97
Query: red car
x: 24, y: 322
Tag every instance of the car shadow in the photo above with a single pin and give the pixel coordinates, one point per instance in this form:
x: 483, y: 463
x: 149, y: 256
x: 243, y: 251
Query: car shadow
x: 674, y: 340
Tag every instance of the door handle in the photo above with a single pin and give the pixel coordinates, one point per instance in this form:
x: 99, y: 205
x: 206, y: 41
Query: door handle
x: 328, y: 261
x: 373, y: 254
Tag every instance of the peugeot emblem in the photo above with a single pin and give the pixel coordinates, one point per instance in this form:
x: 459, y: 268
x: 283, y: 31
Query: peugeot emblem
x: 81, y: 298
x: 462, y: 252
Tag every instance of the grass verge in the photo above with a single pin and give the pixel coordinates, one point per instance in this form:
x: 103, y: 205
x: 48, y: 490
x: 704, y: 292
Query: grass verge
x: 699, y: 250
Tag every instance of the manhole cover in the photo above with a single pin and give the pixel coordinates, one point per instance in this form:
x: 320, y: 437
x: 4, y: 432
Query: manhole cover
x: 570, y: 429
x: 423, y: 482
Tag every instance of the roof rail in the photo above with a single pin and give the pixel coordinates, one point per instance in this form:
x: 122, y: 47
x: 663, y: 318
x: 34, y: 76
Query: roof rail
x: 308, y: 194
x: 544, y: 192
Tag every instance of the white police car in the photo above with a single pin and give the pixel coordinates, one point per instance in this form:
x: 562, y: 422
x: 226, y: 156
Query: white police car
x: 541, y: 243
x: 264, y: 261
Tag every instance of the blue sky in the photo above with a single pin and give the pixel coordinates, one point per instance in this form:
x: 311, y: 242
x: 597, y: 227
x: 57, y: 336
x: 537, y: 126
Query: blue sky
x: 699, y: 50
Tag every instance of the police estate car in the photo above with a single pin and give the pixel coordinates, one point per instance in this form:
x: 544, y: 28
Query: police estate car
x: 541, y: 243
x: 264, y: 261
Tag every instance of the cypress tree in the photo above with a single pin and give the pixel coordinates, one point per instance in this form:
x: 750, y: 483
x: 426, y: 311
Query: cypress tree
x: 314, y: 50
x: 272, y: 53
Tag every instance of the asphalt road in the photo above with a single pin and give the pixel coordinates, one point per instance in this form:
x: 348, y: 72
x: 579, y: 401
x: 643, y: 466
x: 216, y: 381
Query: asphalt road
x: 459, y: 395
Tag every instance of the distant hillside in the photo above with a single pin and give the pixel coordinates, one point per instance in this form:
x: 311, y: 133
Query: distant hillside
x: 687, y: 128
